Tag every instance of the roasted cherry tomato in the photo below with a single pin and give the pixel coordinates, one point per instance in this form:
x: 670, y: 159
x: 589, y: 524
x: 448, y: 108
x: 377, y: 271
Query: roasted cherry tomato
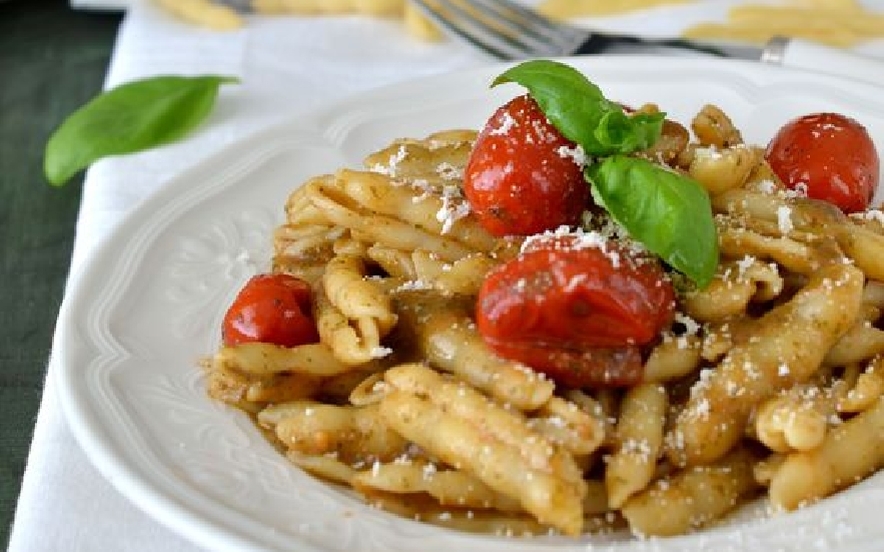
x: 523, y: 176
x: 576, y: 310
x: 271, y: 308
x: 831, y: 155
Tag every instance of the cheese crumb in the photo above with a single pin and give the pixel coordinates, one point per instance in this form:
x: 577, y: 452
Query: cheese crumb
x: 784, y: 219
x: 575, y: 153
x: 381, y: 352
x: 506, y: 125
x: 454, y: 207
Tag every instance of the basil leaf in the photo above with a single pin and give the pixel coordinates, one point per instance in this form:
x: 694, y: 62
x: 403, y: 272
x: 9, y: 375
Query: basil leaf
x: 667, y: 212
x: 577, y: 107
x: 131, y: 117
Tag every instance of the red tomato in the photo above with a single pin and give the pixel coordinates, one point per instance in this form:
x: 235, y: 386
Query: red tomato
x: 522, y: 176
x: 271, y: 308
x: 576, y: 311
x: 832, y: 155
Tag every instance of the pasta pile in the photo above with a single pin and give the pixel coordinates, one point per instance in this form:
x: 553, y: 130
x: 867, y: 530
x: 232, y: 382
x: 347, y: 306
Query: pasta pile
x: 220, y: 17
x: 769, y: 381
x: 842, y: 23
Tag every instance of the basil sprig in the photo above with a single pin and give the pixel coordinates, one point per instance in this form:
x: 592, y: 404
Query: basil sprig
x: 580, y: 111
x: 132, y: 117
x: 660, y: 209
x: 669, y: 213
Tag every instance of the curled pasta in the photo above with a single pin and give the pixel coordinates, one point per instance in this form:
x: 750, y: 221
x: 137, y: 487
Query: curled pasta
x: 640, y: 427
x: 448, y: 487
x: 719, y: 170
x: 849, y: 452
x: 351, y: 433
x: 693, y: 497
x: 713, y: 127
x: 355, y: 296
x: 794, y: 421
x: 787, y: 347
x: 734, y: 287
x: 554, y: 499
x: 445, y: 336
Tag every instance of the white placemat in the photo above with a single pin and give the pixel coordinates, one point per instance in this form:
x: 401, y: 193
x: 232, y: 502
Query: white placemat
x: 287, y: 65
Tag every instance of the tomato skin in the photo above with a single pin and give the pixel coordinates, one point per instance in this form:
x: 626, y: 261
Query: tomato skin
x: 592, y: 368
x: 832, y: 155
x: 576, y: 313
x: 271, y: 308
x: 518, y: 180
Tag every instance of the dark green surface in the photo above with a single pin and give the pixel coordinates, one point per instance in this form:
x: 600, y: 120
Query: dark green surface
x: 52, y: 60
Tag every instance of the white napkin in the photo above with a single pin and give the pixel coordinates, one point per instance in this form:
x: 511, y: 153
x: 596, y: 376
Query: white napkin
x: 287, y: 65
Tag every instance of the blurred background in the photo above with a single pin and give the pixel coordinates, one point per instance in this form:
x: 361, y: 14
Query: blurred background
x: 52, y: 60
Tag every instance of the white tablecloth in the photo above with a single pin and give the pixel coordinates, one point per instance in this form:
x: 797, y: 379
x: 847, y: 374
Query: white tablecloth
x: 287, y: 65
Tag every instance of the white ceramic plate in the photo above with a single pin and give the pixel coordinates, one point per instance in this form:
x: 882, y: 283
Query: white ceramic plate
x: 149, y: 304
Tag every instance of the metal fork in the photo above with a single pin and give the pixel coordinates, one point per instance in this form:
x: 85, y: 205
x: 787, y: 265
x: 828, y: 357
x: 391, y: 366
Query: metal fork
x: 510, y: 31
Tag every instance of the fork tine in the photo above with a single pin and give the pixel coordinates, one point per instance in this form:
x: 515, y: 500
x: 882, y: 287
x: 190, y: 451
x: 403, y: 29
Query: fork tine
x: 539, y: 34
x: 455, y: 19
x: 491, y: 35
x: 547, y: 36
x: 568, y: 38
x: 533, y: 20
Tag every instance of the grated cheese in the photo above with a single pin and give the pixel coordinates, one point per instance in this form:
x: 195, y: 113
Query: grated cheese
x: 784, y: 219
x: 454, y: 207
x: 381, y: 352
x: 575, y: 153
x: 506, y: 124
